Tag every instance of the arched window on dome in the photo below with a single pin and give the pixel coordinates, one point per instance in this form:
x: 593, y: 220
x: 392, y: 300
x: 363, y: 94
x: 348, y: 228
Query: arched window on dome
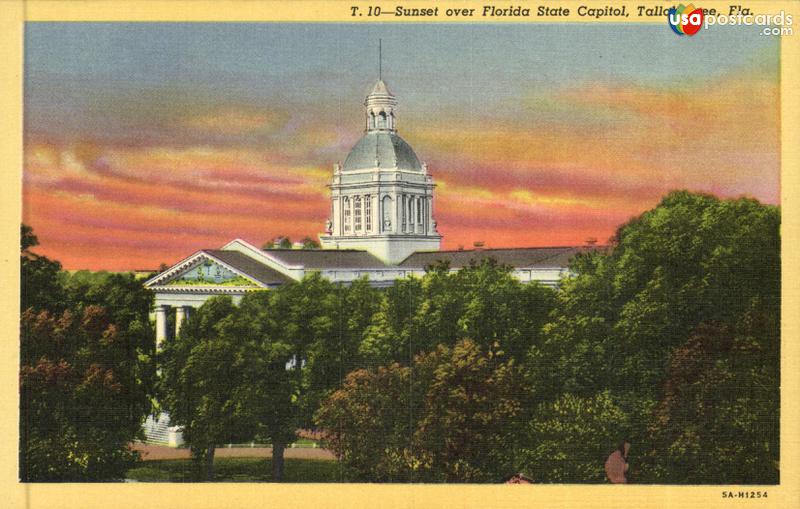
x: 347, y: 214
x: 391, y: 120
x: 387, y: 213
x: 382, y: 120
x: 357, y: 213
x: 371, y: 120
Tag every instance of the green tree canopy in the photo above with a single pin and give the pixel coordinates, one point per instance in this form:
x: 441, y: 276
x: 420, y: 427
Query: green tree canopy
x: 694, y: 258
x: 279, y: 242
x: 627, y: 318
x: 448, y: 417
x: 86, y: 371
x: 39, y: 277
x: 568, y: 440
x: 199, y: 380
x: 482, y: 301
x: 718, y: 419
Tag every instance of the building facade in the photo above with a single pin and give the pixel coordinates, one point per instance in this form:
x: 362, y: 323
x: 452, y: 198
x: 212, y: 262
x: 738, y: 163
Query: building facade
x: 381, y: 227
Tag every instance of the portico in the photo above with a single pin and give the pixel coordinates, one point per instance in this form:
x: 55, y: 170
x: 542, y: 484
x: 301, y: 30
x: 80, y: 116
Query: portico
x: 162, y: 312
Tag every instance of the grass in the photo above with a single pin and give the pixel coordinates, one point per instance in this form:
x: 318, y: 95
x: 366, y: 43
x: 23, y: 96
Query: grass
x: 305, y: 442
x: 239, y: 469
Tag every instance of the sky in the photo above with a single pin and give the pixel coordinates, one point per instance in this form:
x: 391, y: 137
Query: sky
x: 145, y: 142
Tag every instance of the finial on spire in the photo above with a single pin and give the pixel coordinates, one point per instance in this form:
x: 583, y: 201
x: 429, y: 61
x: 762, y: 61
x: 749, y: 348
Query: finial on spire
x: 380, y: 60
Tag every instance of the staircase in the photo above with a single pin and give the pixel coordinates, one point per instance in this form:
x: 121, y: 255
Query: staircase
x: 158, y: 431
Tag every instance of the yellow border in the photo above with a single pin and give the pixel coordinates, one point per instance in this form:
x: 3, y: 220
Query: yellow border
x: 12, y: 15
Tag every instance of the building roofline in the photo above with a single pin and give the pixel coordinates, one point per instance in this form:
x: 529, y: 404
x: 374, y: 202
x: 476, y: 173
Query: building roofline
x: 291, y: 250
x: 488, y: 249
x: 510, y: 248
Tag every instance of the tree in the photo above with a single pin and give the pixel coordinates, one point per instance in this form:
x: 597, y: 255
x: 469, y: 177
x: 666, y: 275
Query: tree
x: 279, y: 242
x: 309, y: 243
x: 80, y: 405
x: 39, y: 277
x: 367, y: 423
x: 387, y: 337
x: 259, y: 370
x: 482, y: 301
x: 569, y: 439
x: 334, y: 352
x: 718, y: 419
x: 450, y: 416
x: 469, y: 423
x: 199, y: 381
x: 630, y: 309
x: 267, y: 391
x: 86, y: 376
x: 128, y: 303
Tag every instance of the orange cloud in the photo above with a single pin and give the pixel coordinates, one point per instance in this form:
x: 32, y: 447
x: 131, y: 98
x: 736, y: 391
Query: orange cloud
x: 235, y: 122
x: 565, y: 165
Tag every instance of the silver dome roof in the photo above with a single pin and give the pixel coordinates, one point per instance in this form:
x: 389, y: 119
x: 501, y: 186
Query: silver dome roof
x: 384, y: 149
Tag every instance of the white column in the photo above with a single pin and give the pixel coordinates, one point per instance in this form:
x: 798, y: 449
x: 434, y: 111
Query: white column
x: 377, y: 213
x: 336, y: 218
x: 411, y: 222
x: 379, y: 210
x: 430, y: 214
x: 417, y: 214
x: 424, y: 215
x: 398, y: 227
x: 181, y: 314
x: 161, y: 325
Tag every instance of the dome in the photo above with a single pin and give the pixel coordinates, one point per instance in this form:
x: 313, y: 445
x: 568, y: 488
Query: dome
x: 384, y: 149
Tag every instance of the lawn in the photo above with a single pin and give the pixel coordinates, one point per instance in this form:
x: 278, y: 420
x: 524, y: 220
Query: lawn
x: 240, y: 469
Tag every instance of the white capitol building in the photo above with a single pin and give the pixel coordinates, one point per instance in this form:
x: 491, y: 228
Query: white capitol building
x: 381, y: 226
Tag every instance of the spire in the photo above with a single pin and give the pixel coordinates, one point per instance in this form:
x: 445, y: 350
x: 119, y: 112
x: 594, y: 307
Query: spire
x: 380, y: 102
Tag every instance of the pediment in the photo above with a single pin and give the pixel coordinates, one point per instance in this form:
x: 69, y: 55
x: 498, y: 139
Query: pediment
x: 203, y: 270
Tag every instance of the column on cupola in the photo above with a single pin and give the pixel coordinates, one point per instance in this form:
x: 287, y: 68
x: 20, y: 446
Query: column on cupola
x: 424, y: 209
x: 336, y: 220
x: 378, y: 212
x: 405, y: 213
x: 430, y: 214
x: 374, y: 216
x: 161, y: 324
x: 420, y: 214
x: 427, y: 214
x: 401, y: 202
x: 401, y: 205
x: 412, y: 212
x: 394, y: 217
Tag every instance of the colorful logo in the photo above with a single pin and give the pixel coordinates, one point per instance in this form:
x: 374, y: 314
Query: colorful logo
x: 685, y: 20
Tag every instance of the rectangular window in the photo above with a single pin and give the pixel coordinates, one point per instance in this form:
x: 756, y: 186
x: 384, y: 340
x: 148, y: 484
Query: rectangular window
x: 368, y: 213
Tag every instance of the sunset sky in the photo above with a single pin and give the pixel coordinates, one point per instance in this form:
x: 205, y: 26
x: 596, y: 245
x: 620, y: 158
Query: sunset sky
x: 147, y: 142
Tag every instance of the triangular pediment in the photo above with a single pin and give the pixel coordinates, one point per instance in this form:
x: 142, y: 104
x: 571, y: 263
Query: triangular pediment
x: 203, y: 270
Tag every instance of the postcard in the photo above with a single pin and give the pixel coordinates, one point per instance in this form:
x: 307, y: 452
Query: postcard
x: 340, y: 254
